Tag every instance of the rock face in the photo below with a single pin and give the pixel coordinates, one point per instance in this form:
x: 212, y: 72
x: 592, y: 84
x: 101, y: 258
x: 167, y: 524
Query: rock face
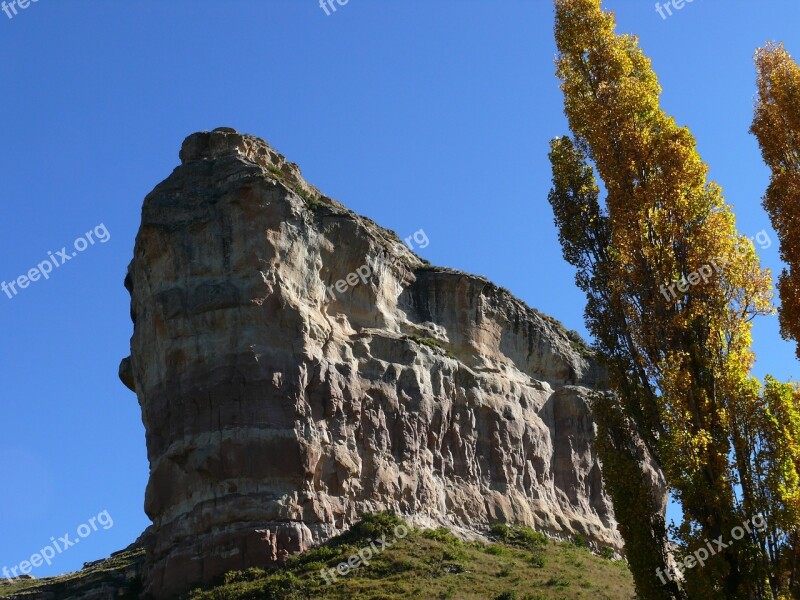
x: 297, y: 365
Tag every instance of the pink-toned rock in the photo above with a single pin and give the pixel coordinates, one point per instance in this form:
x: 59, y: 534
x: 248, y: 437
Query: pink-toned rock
x: 277, y: 411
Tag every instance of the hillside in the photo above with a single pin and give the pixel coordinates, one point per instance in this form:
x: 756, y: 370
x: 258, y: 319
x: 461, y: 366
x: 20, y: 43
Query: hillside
x: 517, y: 563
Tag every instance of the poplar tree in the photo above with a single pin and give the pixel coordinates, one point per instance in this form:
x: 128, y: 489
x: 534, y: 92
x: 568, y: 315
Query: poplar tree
x: 777, y: 127
x: 671, y: 295
x: 629, y: 460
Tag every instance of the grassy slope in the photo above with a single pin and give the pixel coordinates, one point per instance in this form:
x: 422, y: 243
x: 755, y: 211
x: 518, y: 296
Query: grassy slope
x: 117, y: 574
x: 428, y: 565
x: 519, y: 565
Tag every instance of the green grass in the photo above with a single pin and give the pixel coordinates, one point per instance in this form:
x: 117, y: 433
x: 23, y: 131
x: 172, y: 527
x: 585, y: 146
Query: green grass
x: 21, y: 585
x: 311, y: 201
x: 515, y: 535
x: 275, y: 170
x: 432, y: 343
x: 518, y: 564
x: 118, y: 572
x: 521, y: 564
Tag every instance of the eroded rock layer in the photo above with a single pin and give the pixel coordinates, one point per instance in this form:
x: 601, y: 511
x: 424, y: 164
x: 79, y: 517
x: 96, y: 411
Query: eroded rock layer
x: 279, y: 408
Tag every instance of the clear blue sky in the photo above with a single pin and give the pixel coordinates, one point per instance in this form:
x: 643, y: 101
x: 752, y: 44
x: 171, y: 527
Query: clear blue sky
x: 432, y: 114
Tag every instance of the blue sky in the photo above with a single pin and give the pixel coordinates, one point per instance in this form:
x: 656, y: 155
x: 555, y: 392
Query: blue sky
x: 432, y: 114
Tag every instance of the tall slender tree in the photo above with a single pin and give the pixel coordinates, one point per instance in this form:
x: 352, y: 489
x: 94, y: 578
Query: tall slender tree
x: 777, y: 127
x: 776, y: 124
x: 671, y: 296
x: 630, y: 463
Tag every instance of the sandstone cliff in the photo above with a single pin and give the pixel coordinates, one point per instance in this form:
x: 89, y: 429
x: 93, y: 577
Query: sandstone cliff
x: 278, y: 408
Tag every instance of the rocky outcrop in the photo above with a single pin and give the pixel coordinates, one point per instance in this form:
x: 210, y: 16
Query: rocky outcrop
x: 118, y: 577
x: 297, y: 365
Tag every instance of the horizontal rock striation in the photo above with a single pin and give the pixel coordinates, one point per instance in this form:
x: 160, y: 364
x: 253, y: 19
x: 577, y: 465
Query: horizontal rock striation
x: 279, y: 408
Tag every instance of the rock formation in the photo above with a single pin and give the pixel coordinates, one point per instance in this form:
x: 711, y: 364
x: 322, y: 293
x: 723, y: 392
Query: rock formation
x: 297, y: 365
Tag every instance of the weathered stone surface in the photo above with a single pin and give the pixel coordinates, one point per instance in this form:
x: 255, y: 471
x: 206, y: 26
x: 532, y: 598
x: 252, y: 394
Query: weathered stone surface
x: 277, y: 411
